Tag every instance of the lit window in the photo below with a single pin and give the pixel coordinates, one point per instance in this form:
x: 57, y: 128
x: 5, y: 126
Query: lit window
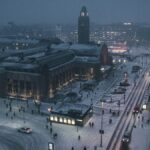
x: 56, y: 119
x: 60, y: 120
x: 82, y: 13
x: 52, y: 118
x: 65, y: 120
x: 79, y: 120
x: 73, y: 122
x: 69, y: 121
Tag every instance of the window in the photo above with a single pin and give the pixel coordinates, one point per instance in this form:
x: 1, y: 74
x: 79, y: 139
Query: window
x: 60, y: 120
x: 65, y: 120
x: 56, y: 119
x: 69, y: 121
x: 73, y: 122
x: 52, y: 118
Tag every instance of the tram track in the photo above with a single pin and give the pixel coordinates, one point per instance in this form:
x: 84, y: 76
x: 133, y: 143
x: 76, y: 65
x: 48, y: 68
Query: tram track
x: 133, y: 99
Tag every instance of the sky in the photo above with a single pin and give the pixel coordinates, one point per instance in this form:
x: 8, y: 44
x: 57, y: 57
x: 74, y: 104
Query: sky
x: 67, y: 11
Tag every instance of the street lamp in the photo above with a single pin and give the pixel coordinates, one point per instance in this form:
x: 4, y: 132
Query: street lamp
x: 101, y: 131
x: 124, y: 97
x: 38, y: 105
x: 49, y: 110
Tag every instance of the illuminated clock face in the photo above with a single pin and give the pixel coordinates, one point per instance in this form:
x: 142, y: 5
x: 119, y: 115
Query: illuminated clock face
x: 82, y: 14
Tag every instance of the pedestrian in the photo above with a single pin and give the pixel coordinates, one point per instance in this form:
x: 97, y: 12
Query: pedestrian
x: 95, y: 147
x: 84, y: 148
x: 142, y: 118
x: 127, y: 113
x: 72, y: 148
x: 46, y: 126
x: 6, y: 114
x: 6, y: 105
x: 32, y: 111
x: 92, y: 124
x: 51, y: 130
x: 79, y: 137
x: 103, y: 111
x: 142, y: 125
x: 110, y: 111
x: 110, y: 121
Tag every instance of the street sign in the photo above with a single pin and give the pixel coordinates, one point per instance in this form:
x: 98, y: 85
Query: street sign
x: 50, y: 146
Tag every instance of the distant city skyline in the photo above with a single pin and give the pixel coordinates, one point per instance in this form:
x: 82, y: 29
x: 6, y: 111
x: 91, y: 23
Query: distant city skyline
x: 67, y: 11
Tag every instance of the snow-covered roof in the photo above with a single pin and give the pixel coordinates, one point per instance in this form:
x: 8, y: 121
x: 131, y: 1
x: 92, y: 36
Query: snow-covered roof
x: 62, y: 46
x: 65, y: 108
x: 86, y: 59
x: 13, y: 58
x: 7, y: 40
x: 86, y: 50
x: 83, y: 47
x: 37, y: 55
x: 78, y: 48
x: 18, y: 65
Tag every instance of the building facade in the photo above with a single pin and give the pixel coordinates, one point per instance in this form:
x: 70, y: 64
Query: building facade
x: 40, y: 74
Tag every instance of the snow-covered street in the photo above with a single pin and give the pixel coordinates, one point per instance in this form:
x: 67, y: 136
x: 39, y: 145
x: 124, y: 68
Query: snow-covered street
x: 68, y: 136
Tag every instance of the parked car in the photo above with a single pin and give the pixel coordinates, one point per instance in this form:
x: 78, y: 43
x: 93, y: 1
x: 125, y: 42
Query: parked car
x: 25, y: 130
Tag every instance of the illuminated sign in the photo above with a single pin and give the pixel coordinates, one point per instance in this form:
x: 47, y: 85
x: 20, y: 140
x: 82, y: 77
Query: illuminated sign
x: 50, y: 146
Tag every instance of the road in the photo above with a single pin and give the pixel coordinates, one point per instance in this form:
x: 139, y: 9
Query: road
x: 10, y: 139
x: 134, y: 98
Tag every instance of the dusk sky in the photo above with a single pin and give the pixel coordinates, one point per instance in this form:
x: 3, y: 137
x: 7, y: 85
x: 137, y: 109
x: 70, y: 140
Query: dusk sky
x: 67, y: 11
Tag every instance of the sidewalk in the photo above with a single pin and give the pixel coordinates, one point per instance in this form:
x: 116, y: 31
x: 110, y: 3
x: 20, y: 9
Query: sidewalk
x: 141, y: 134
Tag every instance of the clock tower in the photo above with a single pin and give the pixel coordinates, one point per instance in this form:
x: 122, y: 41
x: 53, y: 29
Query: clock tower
x: 83, y: 26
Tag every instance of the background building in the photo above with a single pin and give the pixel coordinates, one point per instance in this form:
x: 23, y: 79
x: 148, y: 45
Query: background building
x: 83, y: 26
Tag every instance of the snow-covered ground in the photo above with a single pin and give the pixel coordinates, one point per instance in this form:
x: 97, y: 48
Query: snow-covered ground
x: 68, y: 135
x: 141, y: 134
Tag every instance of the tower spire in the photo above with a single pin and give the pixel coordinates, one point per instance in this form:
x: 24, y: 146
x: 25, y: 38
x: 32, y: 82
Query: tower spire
x: 83, y: 26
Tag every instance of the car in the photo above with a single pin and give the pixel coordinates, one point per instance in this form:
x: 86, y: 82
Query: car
x: 25, y: 130
x: 136, y: 109
x: 126, y: 137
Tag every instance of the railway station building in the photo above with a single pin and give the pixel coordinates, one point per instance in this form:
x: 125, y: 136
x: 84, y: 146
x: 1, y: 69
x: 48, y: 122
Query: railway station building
x: 39, y: 73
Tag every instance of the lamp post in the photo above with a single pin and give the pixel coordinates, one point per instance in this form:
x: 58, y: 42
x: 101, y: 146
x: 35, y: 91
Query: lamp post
x: 101, y: 131
x: 49, y: 110
x: 37, y: 105
x: 124, y: 97
x: 118, y: 107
